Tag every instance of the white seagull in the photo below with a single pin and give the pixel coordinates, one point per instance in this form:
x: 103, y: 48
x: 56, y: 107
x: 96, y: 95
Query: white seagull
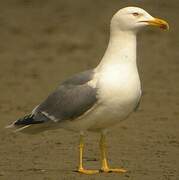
x: 102, y: 97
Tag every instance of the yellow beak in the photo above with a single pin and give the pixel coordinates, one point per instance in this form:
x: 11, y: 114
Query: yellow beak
x: 159, y: 23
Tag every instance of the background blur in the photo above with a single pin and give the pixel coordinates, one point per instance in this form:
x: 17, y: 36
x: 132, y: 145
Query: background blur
x: 44, y: 41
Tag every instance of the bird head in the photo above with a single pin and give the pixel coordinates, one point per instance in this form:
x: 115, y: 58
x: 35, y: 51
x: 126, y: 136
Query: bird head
x: 134, y: 18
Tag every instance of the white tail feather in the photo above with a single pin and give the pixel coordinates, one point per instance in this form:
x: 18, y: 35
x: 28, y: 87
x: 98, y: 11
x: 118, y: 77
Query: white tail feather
x: 22, y: 128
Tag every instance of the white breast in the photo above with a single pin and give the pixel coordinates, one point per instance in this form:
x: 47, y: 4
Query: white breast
x: 119, y: 84
x: 119, y: 93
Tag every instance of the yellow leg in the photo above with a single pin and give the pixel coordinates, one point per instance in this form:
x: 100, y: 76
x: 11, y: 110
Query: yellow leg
x: 81, y: 169
x: 105, y: 166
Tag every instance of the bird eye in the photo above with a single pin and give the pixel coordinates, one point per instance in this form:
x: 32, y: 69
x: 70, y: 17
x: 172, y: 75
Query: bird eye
x: 135, y: 14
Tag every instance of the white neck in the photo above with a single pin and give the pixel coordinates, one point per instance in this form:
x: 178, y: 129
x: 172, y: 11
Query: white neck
x: 121, y: 49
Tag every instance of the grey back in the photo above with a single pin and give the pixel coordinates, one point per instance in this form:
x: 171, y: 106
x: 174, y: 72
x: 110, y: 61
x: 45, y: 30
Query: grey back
x: 70, y: 100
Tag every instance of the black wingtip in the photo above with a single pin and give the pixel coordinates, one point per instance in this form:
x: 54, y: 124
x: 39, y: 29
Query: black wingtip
x: 26, y: 120
x: 22, y: 122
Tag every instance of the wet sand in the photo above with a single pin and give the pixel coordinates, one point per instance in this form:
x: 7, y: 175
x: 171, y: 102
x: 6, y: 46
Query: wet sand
x: 41, y: 43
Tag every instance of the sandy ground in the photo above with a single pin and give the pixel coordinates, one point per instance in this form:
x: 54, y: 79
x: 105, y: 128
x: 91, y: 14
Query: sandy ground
x: 44, y: 41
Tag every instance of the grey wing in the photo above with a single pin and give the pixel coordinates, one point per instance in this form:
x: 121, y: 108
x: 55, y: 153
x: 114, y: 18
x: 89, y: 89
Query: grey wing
x: 70, y: 100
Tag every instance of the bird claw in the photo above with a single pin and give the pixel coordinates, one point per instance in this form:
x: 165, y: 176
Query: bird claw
x: 111, y: 170
x: 87, y: 171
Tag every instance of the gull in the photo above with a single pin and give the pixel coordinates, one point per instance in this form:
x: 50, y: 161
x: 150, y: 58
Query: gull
x: 99, y: 98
